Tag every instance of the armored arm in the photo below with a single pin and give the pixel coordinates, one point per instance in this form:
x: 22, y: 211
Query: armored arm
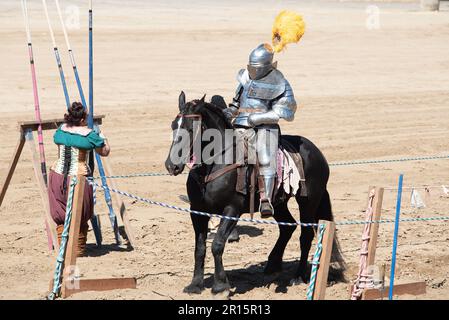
x: 283, y: 107
x: 234, y: 106
x: 232, y: 110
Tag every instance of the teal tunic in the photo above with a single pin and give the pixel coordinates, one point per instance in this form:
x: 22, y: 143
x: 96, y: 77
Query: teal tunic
x: 89, y: 142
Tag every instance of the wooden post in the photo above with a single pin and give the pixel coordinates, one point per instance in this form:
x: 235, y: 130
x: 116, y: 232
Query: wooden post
x: 71, y: 252
x: 12, y: 166
x: 49, y: 223
x: 413, y: 288
x: 323, y: 267
x: 374, y: 230
x: 120, y: 204
x: 70, y: 284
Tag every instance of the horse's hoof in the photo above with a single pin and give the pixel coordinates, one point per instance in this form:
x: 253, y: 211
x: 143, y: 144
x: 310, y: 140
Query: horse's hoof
x: 220, y: 287
x: 272, y: 268
x: 234, y: 236
x: 193, y: 289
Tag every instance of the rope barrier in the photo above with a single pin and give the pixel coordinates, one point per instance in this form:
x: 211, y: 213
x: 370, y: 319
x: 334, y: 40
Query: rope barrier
x: 64, y: 237
x: 364, y: 280
x: 315, y: 262
x: 334, y: 164
x: 269, y: 222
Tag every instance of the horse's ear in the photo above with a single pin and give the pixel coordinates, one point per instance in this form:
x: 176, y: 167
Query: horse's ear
x: 202, y: 99
x: 182, y: 101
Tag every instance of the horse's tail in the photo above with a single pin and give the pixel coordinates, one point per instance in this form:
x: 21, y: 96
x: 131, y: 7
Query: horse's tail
x: 325, y: 213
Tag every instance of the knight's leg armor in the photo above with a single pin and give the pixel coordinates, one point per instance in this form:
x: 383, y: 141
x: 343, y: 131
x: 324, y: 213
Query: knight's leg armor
x: 267, y: 146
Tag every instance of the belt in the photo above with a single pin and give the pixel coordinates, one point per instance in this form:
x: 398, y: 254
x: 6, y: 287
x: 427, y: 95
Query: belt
x: 250, y: 110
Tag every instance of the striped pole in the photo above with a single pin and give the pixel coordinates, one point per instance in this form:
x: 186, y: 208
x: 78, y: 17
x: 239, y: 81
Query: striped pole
x: 90, y: 123
x: 395, y: 237
x: 91, y: 69
x: 58, y: 58
x: 37, y: 110
x: 108, y: 198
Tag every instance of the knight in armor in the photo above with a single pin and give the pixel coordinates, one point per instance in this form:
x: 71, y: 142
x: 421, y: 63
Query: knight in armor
x: 262, y: 98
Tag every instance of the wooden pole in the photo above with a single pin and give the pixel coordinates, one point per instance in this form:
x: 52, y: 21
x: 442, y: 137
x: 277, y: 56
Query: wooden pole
x: 323, y: 268
x: 72, y: 244
x: 50, y: 225
x: 374, y: 230
x: 12, y: 166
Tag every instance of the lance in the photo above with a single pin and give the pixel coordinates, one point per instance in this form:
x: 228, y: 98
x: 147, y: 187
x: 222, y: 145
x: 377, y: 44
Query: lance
x: 37, y: 109
x: 108, y: 198
x: 58, y: 58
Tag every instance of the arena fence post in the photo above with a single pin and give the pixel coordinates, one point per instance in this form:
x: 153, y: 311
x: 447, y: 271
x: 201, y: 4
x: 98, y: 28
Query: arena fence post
x: 325, y: 258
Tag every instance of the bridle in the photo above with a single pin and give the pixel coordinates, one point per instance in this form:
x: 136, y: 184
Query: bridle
x: 191, y: 116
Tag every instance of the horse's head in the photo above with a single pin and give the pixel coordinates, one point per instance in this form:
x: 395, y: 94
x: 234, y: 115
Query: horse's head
x: 186, y: 130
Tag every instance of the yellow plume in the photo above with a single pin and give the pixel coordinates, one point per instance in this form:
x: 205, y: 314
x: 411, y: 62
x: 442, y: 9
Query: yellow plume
x: 288, y: 28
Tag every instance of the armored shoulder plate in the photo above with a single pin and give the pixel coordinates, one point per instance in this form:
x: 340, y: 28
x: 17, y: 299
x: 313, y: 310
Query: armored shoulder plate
x: 269, y: 87
x: 243, y: 77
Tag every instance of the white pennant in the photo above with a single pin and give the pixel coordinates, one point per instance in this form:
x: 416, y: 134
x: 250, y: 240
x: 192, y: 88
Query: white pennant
x: 446, y: 191
x: 416, y: 200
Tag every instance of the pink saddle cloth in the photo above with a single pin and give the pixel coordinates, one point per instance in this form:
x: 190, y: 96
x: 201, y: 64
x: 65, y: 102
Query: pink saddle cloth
x: 288, y: 174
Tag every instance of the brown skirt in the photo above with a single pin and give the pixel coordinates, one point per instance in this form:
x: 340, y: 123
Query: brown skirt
x: 57, y: 195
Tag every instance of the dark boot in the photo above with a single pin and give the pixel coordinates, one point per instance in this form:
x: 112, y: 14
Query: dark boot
x: 266, y: 209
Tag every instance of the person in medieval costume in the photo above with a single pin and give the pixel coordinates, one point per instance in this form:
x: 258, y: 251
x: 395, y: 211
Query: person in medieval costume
x: 264, y: 97
x: 74, y: 140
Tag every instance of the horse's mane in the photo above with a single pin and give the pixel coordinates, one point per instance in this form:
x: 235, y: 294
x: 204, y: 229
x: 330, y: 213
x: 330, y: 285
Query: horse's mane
x: 215, y: 109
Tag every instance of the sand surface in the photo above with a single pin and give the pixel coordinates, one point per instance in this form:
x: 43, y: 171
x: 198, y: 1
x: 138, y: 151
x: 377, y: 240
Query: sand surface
x: 363, y: 94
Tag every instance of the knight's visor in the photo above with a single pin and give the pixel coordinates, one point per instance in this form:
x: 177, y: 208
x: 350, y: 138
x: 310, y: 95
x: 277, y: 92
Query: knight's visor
x: 257, y: 72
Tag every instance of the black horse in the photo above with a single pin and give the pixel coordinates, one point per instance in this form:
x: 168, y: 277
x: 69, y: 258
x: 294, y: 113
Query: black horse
x: 219, y: 196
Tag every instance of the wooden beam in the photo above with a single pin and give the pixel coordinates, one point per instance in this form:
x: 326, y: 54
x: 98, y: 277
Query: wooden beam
x: 12, y: 166
x: 72, y: 243
x: 412, y: 288
x: 120, y: 204
x: 43, y: 191
x: 374, y: 229
x: 323, y: 267
x: 103, y: 285
x: 51, y: 124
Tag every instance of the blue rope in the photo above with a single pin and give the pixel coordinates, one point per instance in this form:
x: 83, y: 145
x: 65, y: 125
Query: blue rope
x: 64, y: 237
x: 315, y: 262
x: 269, y: 222
x: 335, y: 164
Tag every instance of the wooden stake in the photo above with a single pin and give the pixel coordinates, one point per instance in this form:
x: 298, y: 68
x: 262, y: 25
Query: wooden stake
x: 323, y: 268
x: 374, y: 231
x: 71, y: 252
x: 49, y: 223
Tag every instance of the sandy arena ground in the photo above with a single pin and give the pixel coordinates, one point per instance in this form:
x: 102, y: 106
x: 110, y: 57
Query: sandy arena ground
x: 363, y: 94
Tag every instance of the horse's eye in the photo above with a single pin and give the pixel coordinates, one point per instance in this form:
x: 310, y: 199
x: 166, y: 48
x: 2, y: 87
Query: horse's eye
x: 174, y: 125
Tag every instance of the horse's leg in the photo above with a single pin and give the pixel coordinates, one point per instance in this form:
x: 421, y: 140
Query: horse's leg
x: 281, y: 213
x: 308, y: 207
x: 200, y: 227
x: 226, y: 226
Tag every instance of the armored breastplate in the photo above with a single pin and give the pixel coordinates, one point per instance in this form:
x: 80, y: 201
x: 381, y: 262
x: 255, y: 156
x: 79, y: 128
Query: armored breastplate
x: 257, y: 95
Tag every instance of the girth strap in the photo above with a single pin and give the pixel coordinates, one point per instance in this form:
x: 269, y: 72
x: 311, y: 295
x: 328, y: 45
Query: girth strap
x: 219, y: 173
